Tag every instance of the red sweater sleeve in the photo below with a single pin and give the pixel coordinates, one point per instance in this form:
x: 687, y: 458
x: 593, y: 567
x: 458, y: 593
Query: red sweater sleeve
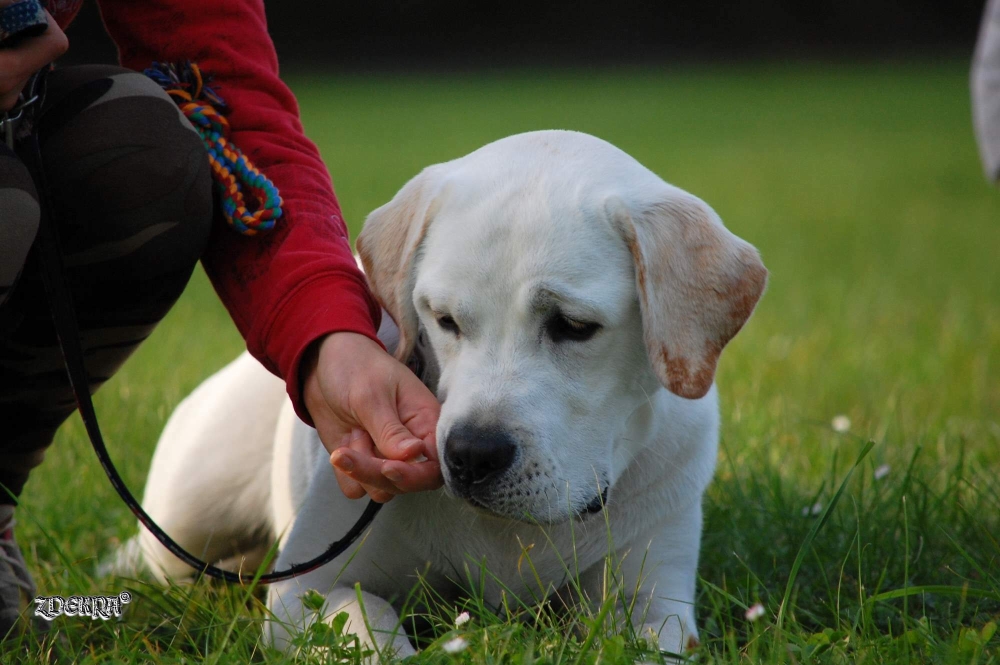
x: 287, y: 287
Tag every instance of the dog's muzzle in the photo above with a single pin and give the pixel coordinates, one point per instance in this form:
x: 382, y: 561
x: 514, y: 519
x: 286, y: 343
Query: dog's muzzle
x: 479, y: 460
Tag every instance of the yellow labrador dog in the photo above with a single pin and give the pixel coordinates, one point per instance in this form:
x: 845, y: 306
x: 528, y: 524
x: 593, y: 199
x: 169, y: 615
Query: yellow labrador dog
x: 570, y: 308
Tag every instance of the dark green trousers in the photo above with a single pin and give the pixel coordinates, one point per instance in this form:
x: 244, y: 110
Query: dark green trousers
x: 131, y: 197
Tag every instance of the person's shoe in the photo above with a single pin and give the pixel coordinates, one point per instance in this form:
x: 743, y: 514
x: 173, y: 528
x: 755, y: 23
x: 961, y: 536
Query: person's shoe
x: 17, y: 589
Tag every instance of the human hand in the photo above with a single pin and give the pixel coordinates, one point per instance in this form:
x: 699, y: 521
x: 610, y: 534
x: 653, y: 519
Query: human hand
x: 20, y: 61
x: 352, y: 388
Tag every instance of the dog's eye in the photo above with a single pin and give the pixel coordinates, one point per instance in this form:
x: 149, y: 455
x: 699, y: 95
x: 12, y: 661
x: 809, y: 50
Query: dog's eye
x: 563, y: 329
x: 447, y: 323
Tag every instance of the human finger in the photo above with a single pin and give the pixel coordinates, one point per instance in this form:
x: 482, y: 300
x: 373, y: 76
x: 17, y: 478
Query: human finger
x: 413, y: 476
x: 28, y: 56
x: 364, y: 469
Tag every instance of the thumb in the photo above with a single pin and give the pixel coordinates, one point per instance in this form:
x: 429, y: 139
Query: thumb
x: 380, y: 418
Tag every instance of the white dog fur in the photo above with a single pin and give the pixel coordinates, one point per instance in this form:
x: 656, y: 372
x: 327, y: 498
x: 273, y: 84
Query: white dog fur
x: 505, y: 241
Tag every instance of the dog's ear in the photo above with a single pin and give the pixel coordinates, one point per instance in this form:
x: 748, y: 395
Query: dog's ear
x: 697, y: 282
x: 388, y: 244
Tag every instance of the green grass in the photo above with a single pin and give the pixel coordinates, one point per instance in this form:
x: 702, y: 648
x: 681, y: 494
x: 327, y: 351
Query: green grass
x: 860, y: 185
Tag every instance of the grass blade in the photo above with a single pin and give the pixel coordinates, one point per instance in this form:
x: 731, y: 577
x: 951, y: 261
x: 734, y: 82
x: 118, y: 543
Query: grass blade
x: 811, y: 536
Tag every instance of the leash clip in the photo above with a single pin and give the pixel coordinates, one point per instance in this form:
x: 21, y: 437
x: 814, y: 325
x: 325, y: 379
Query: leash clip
x: 10, y: 122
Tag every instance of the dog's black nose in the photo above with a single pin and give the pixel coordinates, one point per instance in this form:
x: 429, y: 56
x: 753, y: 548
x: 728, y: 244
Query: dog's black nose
x: 475, y: 454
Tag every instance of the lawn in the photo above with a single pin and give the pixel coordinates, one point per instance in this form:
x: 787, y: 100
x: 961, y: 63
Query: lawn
x: 860, y: 185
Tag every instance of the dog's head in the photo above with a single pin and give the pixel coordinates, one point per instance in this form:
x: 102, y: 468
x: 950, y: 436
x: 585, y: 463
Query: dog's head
x: 558, y: 284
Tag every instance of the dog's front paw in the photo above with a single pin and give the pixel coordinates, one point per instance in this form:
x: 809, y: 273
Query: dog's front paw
x: 675, y: 639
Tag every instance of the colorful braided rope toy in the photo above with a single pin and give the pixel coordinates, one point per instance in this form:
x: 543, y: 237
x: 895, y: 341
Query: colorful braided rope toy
x: 250, y: 202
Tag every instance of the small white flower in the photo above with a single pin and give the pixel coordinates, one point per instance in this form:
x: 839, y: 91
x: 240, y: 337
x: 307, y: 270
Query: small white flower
x: 814, y: 509
x: 462, y: 619
x: 840, y: 424
x: 454, y: 645
x: 755, y: 612
x: 882, y: 472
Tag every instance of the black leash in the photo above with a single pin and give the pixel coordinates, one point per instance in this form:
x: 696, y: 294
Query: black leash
x: 67, y: 330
